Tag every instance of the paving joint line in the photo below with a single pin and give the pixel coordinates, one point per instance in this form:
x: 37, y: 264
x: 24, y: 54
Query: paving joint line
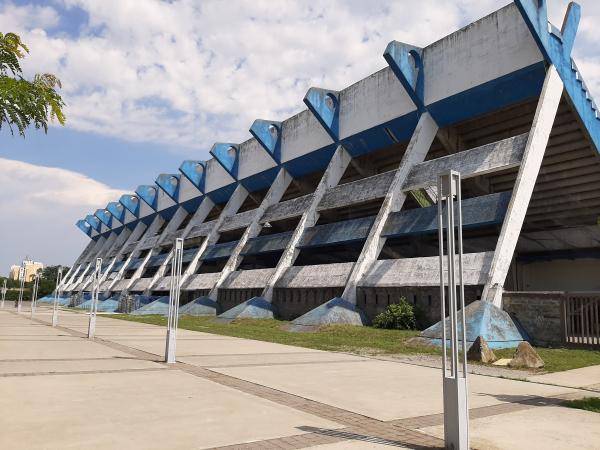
x: 78, y: 372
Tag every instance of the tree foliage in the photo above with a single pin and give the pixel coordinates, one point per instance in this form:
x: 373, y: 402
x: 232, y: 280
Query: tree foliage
x: 22, y: 102
x: 50, y: 272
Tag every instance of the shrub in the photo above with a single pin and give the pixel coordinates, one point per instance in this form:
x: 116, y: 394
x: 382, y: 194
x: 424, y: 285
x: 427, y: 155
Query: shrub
x: 400, y: 316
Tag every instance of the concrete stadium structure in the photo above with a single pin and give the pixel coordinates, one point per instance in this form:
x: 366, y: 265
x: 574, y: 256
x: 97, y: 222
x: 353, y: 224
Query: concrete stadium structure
x: 329, y: 216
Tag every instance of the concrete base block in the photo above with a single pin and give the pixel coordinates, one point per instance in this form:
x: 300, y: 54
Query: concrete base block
x: 201, y: 306
x: 482, y: 319
x: 336, y: 311
x: 255, y: 308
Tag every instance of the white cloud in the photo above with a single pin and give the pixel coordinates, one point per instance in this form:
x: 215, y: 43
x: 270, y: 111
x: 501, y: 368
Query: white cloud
x: 38, y: 202
x: 190, y: 73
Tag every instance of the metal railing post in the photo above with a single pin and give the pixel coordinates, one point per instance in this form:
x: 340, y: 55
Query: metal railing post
x: 21, y: 286
x: 173, y: 318
x: 456, y: 403
x: 56, y: 296
x: 94, y: 301
x: 34, y: 294
x: 4, y: 289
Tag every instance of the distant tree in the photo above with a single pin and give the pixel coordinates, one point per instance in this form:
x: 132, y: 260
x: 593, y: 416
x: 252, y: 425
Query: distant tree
x: 49, y: 272
x: 24, y: 102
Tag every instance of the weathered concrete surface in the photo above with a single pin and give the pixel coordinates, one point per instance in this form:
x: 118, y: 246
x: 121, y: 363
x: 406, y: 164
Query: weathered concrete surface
x: 118, y: 399
x: 336, y: 311
x: 543, y: 428
x: 156, y: 410
x: 385, y: 390
x: 255, y: 308
x: 269, y: 359
x: 482, y: 319
x: 584, y: 377
x: 201, y: 306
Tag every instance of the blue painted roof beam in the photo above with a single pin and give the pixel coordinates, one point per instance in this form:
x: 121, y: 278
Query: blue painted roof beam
x: 195, y: 171
x: 149, y: 194
x: 406, y: 61
x: 93, y: 221
x: 556, y: 47
x: 325, y: 105
x: 117, y: 210
x: 268, y: 135
x: 105, y: 217
x: 84, y: 226
x: 170, y: 184
x: 132, y: 203
x: 226, y: 154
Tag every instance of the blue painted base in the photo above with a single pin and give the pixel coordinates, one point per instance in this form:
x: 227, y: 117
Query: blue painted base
x: 336, y: 311
x: 201, y: 306
x: 255, y: 308
x: 160, y: 306
x: 482, y: 319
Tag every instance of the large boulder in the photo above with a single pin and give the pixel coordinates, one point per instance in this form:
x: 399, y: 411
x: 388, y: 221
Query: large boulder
x: 526, y: 357
x: 480, y: 351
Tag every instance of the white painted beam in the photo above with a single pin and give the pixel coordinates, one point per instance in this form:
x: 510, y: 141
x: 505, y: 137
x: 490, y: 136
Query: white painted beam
x: 232, y: 206
x: 140, y: 230
x: 276, y: 191
x: 332, y: 176
x: 524, y: 185
x: 415, y: 153
x: 478, y: 161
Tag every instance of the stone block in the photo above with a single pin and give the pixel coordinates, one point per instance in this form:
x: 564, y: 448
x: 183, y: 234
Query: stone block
x: 526, y: 357
x: 480, y: 351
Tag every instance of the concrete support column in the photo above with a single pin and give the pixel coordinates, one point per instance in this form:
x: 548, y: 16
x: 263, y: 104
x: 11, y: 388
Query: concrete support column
x: 276, y: 191
x: 174, y: 224
x: 119, y: 243
x: 233, y: 205
x: 415, y: 153
x: 332, y: 176
x: 199, y: 217
x: 147, y: 231
x: 108, y: 244
x: 135, y: 235
x: 157, y: 223
x: 528, y: 171
x: 78, y: 278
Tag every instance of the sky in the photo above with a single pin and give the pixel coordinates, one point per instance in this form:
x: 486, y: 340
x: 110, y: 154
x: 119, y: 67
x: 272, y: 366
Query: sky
x: 150, y: 83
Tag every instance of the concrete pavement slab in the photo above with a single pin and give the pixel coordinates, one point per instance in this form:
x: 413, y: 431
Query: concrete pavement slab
x: 141, y: 410
x: 65, y: 366
x: 385, y: 390
x: 56, y: 347
x: 352, y: 445
x: 586, y: 376
x: 268, y: 359
x: 215, y: 346
x: 541, y: 428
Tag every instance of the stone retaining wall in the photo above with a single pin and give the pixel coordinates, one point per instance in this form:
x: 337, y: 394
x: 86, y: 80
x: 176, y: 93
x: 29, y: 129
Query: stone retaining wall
x: 539, y: 313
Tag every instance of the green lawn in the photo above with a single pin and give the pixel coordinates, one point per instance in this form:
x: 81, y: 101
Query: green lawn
x: 363, y: 340
x: 336, y: 338
x: 588, y: 403
x: 559, y: 359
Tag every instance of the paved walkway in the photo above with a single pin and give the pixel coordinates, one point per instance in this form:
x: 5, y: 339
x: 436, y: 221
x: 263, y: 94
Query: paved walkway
x: 60, y: 390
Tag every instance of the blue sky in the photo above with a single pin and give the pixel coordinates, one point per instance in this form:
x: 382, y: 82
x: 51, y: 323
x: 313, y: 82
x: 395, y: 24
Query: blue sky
x: 151, y: 83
